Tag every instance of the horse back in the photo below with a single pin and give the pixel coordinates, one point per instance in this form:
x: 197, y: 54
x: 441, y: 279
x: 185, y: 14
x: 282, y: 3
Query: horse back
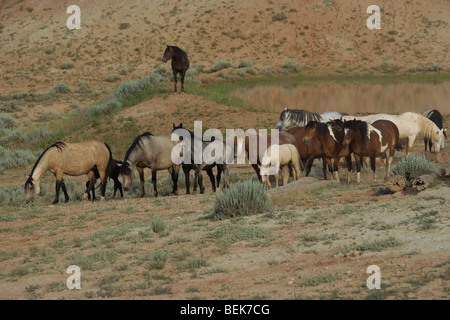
x: 389, y: 131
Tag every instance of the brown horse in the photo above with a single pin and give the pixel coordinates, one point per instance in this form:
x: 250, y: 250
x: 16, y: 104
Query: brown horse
x: 371, y: 140
x: 180, y: 63
x: 73, y: 159
x: 308, y: 153
x: 330, y: 135
x: 255, y: 145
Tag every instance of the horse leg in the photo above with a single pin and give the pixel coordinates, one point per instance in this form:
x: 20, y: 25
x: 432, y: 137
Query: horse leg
x: 348, y: 160
x: 200, y: 180
x: 219, y: 173
x: 183, y: 73
x: 336, y: 169
x: 373, y: 167
x: 175, y: 81
x: 58, y: 185
x: 389, y: 162
x: 89, y: 195
x: 212, y: 179
x: 330, y: 167
x: 256, y: 168
x: 358, y: 169
x: 285, y: 173
x: 226, y: 182
x: 186, y: 170
x: 142, y: 180
x: 66, y: 195
x: 155, y: 191
x: 173, y: 170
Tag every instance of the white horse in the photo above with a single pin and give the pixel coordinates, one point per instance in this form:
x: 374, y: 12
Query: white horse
x: 280, y: 156
x: 410, y: 124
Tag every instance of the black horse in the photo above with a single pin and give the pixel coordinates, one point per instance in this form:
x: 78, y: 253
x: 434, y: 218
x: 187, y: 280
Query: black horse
x: 436, y: 117
x: 113, y: 175
x: 180, y: 63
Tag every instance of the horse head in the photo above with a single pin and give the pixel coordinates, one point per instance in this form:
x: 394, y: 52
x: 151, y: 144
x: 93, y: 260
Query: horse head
x: 310, y: 132
x: 31, y: 189
x: 168, y: 54
x: 127, y: 175
x: 283, y: 119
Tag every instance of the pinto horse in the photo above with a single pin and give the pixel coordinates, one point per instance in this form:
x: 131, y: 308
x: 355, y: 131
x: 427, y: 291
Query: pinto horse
x: 371, y: 140
x: 409, y: 125
x: 330, y: 135
x: 180, y: 63
x: 73, y: 159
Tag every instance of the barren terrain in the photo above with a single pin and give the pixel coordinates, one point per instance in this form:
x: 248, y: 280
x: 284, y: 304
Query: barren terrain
x: 317, y: 239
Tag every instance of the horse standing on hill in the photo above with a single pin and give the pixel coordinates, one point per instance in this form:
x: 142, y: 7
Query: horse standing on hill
x: 436, y: 117
x: 180, y: 63
x: 149, y: 151
x: 371, y: 140
x: 73, y: 159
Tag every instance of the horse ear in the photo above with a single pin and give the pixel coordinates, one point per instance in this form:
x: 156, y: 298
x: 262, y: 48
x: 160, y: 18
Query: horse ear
x: 181, y: 125
x: 173, y: 124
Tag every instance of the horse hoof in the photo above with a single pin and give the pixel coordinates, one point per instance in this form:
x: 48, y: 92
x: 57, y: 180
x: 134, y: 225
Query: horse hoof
x: 85, y: 196
x: 102, y: 198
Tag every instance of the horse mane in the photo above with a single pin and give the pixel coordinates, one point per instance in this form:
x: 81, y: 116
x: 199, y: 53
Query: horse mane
x: 302, y: 116
x: 358, y: 125
x: 136, y: 143
x: 59, y: 145
x: 427, y: 127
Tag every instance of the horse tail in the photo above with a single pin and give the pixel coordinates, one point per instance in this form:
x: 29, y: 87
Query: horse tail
x: 109, y: 167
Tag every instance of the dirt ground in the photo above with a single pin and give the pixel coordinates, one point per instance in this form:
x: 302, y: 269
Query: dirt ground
x: 318, y: 238
x: 316, y: 242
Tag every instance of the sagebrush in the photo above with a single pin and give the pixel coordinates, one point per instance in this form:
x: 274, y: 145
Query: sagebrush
x: 411, y: 167
x: 242, y: 199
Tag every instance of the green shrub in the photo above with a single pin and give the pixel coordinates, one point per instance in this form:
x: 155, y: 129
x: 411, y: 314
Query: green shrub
x: 158, y: 224
x: 242, y: 199
x: 11, y: 196
x: 66, y: 65
x: 291, y: 65
x: 7, y: 121
x: 59, y: 89
x: 220, y: 65
x: 16, y: 158
x: 411, y: 167
x: 279, y: 16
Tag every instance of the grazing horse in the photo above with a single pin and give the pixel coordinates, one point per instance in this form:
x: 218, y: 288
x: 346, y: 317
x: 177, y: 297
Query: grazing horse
x: 371, y: 140
x: 330, y: 135
x: 308, y: 153
x: 73, y: 159
x: 149, y: 151
x: 409, y: 125
x: 436, y: 117
x: 280, y: 156
x: 198, y: 177
x: 180, y: 63
x: 302, y: 117
x: 116, y: 164
x: 254, y: 145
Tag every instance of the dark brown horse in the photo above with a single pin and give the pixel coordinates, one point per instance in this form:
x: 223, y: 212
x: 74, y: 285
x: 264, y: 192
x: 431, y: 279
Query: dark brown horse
x: 371, y: 140
x: 331, y: 136
x: 308, y: 153
x: 180, y: 63
x: 114, y: 175
x: 255, y: 148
